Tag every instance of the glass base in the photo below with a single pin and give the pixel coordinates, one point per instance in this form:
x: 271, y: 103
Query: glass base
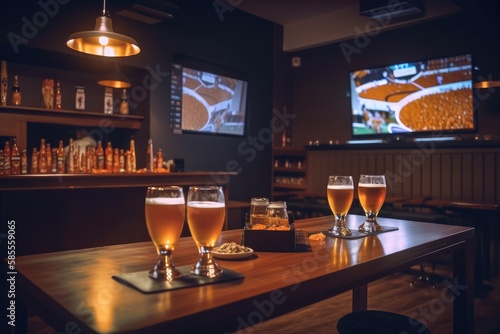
x: 210, y: 270
x: 340, y: 231
x: 165, y: 270
x: 206, y: 265
x: 370, y: 226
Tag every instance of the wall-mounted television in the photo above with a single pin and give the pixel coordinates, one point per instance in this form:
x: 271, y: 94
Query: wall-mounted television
x: 414, y: 98
x: 207, y: 99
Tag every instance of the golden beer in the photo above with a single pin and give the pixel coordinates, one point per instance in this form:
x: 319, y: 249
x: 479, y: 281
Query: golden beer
x: 340, y: 198
x: 205, y: 220
x: 371, y: 196
x: 164, y: 220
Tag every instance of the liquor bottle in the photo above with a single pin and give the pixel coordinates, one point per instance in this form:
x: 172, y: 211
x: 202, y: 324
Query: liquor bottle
x: 6, y: 158
x: 87, y: 160
x: 133, y: 160
x: 124, y: 103
x: 100, y: 156
x: 89, y: 157
x: 2, y: 170
x: 128, y: 162
x: 122, y: 161
x: 69, y: 158
x: 53, y: 168
x: 60, y: 158
x: 15, y: 159
x: 159, y: 159
x: 149, y: 162
x: 4, y: 82
x: 42, y: 158
x: 94, y: 157
x: 24, y: 162
x: 16, y: 92
x: 116, y: 161
x: 58, y: 95
x: 108, y: 154
x: 76, y: 161
x: 48, y: 158
x: 83, y: 163
x: 34, y: 161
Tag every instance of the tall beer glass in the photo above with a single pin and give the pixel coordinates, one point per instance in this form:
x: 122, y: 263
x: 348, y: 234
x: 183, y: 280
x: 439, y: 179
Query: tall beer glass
x: 371, y: 193
x: 340, y: 193
x: 165, y: 213
x: 206, y: 213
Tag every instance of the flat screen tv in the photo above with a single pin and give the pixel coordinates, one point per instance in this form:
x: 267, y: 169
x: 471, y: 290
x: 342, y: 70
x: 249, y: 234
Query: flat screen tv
x: 413, y: 98
x: 207, y: 99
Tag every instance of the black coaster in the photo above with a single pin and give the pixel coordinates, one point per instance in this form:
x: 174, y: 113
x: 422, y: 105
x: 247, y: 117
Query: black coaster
x: 356, y: 234
x: 142, y: 282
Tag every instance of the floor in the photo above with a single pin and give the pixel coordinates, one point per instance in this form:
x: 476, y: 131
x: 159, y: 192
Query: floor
x: 392, y: 293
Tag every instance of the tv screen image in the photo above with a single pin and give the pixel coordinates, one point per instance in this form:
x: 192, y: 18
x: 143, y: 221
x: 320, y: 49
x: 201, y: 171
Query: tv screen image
x: 207, y: 102
x: 413, y: 98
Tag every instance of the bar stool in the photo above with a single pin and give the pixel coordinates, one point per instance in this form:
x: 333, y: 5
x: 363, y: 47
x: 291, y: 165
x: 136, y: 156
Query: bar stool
x: 379, y: 322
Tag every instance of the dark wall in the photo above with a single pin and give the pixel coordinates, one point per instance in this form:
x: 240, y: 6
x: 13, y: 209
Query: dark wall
x: 321, y: 84
x: 228, y: 38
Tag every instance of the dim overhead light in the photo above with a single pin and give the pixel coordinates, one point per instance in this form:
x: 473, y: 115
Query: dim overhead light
x: 103, y: 41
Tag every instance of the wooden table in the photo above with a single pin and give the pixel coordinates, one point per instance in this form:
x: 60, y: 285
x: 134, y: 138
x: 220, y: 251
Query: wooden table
x: 73, y: 290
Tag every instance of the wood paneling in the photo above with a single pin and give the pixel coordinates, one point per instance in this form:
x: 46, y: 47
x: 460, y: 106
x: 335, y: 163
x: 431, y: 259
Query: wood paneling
x: 456, y: 174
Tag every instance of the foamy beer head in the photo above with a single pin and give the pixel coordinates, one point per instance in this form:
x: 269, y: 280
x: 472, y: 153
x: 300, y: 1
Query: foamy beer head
x: 164, y: 201
x: 371, y: 192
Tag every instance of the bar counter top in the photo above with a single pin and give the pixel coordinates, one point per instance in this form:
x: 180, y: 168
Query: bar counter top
x: 123, y: 180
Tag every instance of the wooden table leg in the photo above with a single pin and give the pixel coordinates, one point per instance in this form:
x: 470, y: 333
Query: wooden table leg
x: 463, y: 289
x: 360, y: 298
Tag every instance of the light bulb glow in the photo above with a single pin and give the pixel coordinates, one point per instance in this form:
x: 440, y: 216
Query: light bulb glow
x: 103, y: 40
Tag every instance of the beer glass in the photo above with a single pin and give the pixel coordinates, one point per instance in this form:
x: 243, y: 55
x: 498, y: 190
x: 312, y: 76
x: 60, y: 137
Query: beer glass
x: 340, y: 193
x: 206, y: 213
x: 371, y: 193
x: 165, y: 213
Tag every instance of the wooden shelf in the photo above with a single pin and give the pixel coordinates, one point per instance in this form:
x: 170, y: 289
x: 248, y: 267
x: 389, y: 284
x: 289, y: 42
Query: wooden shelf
x: 289, y: 170
x: 288, y: 186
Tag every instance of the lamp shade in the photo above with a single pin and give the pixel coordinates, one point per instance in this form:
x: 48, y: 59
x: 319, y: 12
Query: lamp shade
x: 115, y: 78
x: 103, y: 41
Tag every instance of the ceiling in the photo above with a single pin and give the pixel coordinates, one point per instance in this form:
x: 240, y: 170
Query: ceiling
x: 306, y: 23
x: 289, y: 11
x: 313, y: 23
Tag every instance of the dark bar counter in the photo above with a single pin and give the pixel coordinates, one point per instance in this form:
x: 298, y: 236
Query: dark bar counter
x: 55, y: 212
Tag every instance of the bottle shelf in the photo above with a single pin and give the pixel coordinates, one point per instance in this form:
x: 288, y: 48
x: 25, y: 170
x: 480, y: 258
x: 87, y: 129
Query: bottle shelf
x: 289, y: 170
x: 65, y: 116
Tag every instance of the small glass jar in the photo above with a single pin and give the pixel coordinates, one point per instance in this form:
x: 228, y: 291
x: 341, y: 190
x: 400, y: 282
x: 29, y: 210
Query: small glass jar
x: 277, y: 216
x: 258, y: 213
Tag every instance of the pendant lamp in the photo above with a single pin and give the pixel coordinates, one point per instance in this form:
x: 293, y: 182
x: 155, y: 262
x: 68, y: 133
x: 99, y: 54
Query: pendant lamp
x: 102, y: 41
x: 115, y: 78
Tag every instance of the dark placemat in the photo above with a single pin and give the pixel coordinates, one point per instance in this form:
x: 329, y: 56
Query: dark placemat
x: 356, y: 234
x: 142, y: 282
